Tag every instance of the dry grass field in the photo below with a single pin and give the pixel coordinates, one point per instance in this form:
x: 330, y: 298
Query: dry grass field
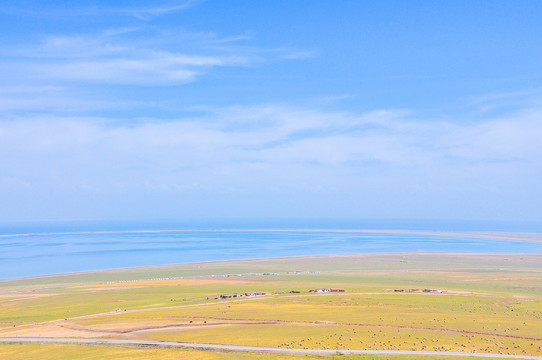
x: 480, y: 303
x: 96, y: 352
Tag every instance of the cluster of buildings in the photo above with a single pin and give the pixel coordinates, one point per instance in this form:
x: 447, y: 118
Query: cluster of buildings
x: 321, y: 290
x: 327, y: 290
x: 257, y: 293
x: 262, y: 293
x: 418, y: 290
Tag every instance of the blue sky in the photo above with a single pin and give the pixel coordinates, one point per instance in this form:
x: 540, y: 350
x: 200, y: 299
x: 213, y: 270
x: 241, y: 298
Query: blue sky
x: 125, y: 110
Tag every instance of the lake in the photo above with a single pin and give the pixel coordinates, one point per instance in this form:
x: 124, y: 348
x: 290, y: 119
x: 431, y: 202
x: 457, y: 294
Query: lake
x: 47, y: 249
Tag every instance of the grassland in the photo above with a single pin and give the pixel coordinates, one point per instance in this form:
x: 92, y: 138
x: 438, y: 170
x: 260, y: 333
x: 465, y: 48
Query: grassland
x: 484, y: 304
x: 94, y: 352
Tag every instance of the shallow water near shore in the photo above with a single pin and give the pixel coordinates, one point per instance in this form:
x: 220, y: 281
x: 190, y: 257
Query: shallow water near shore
x: 55, y: 248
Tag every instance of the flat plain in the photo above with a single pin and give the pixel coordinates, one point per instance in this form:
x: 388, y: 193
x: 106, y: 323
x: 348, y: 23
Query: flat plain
x: 469, y: 303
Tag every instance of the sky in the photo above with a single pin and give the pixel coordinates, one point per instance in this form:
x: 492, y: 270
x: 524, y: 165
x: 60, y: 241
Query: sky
x: 179, y: 109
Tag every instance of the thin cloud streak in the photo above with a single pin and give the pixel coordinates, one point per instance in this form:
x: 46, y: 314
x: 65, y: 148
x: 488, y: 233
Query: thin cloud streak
x: 141, y: 13
x: 145, y: 13
x: 125, y: 57
x: 104, y: 60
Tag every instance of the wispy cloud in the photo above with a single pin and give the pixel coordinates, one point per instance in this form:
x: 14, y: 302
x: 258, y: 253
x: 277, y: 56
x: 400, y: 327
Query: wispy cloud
x: 152, y: 9
x: 106, y: 59
x: 65, y: 133
x: 162, y: 8
x: 260, y: 152
x: 129, y: 55
x: 513, y: 100
x: 69, y: 70
x: 152, y: 69
x: 278, y: 135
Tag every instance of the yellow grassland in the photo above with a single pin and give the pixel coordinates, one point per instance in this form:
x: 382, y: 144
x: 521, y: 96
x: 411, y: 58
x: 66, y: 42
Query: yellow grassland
x: 481, y: 306
x: 100, y: 352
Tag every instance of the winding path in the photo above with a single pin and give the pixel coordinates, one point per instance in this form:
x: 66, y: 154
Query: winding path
x: 257, y: 349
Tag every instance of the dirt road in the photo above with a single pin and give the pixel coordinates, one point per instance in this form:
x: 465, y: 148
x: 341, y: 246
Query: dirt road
x: 257, y: 349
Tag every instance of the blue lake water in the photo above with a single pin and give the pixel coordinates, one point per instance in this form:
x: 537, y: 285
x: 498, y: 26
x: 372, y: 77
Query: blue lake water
x: 29, y: 255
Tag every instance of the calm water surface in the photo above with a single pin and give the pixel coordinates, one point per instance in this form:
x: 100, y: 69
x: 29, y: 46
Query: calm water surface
x: 35, y: 254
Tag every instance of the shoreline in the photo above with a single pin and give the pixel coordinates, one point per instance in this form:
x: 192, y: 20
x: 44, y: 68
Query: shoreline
x: 497, y: 235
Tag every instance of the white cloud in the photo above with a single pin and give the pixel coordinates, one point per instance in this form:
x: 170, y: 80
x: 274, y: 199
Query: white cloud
x: 105, y: 59
x: 128, y: 56
x: 275, y: 137
x: 268, y: 154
